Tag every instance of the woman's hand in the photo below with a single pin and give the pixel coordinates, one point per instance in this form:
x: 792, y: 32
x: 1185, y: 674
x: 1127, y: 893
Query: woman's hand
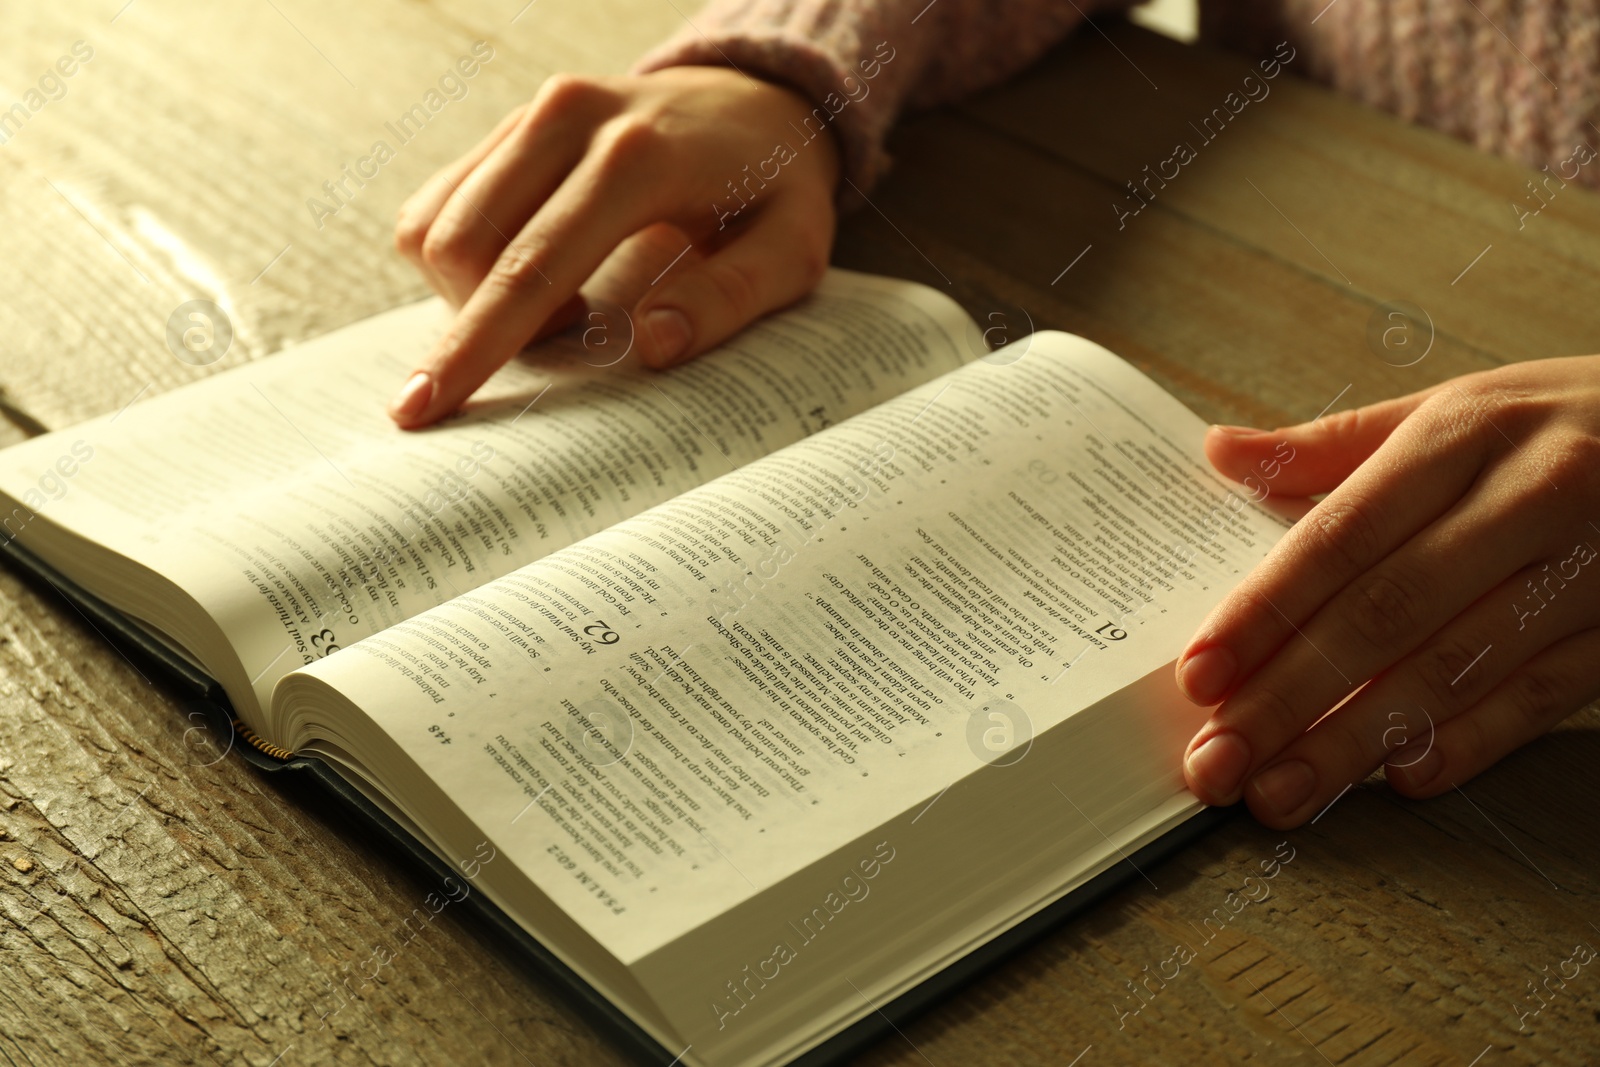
x: 1450, y: 573
x: 510, y: 231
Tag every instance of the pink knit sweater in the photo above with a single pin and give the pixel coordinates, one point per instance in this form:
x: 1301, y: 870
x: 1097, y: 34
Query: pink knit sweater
x: 1516, y: 77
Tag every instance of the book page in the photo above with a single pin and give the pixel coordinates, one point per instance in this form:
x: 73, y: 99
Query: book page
x: 675, y: 714
x: 280, y: 496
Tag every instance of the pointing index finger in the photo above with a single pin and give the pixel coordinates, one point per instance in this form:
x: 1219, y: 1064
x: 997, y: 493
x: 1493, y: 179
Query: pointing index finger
x: 590, y: 214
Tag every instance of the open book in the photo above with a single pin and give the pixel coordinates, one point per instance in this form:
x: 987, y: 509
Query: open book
x: 758, y: 691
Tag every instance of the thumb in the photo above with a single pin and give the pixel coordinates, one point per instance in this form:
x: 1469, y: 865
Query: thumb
x: 1313, y: 457
x: 778, y: 260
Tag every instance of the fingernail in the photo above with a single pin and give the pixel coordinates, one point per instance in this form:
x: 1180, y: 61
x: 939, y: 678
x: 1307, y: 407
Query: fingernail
x: 1239, y: 431
x: 1205, y: 676
x: 669, y: 333
x: 1218, y: 767
x: 1420, y: 774
x: 1285, y: 786
x: 413, y: 398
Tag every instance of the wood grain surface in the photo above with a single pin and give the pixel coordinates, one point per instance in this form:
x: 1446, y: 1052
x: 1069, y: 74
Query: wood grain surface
x: 163, y: 903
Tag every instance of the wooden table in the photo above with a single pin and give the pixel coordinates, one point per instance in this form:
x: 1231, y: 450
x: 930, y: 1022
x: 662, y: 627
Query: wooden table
x: 163, y: 906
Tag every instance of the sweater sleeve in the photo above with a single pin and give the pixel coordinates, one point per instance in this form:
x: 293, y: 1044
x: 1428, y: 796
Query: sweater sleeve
x: 861, y: 62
